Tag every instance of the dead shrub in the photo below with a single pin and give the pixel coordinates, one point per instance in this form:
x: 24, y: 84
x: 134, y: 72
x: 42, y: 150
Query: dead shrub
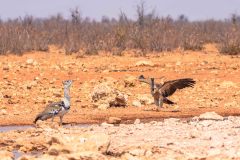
x: 148, y: 32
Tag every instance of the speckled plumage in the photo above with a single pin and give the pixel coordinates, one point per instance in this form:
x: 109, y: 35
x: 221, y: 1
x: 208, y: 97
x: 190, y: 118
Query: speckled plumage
x: 57, y: 108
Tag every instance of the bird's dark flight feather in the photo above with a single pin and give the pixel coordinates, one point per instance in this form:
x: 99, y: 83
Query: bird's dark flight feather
x: 169, y: 87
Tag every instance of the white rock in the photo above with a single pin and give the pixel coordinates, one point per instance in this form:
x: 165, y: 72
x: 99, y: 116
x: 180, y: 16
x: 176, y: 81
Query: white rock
x: 137, y: 152
x: 105, y: 93
x: 148, y: 153
x: 153, y: 123
x: 130, y: 81
x: 206, y: 123
x: 137, y: 121
x: 171, y: 120
x: 114, y: 120
x: 211, y: 116
x: 30, y: 61
x: 103, y: 106
x: 105, y: 124
x: 145, y: 63
x: 136, y: 103
x: 100, y: 91
x: 145, y: 99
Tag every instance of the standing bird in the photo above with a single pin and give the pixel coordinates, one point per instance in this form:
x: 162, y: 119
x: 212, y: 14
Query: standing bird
x: 160, y: 92
x: 57, y: 108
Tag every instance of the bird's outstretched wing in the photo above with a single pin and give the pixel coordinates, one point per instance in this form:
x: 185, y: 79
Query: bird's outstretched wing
x: 169, y: 87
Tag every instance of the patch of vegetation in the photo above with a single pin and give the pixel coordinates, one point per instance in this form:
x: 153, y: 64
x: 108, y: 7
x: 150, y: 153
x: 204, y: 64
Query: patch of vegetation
x: 148, y: 32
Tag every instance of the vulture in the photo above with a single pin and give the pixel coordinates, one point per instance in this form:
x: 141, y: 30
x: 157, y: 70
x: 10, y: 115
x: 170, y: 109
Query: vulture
x: 160, y: 92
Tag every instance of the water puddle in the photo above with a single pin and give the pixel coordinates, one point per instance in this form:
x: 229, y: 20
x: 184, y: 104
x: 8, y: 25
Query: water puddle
x: 14, y: 127
x: 24, y: 127
x: 76, y: 125
x: 18, y: 154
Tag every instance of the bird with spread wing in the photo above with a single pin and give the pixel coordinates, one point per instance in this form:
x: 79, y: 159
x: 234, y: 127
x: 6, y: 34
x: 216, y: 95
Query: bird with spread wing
x: 160, y: 92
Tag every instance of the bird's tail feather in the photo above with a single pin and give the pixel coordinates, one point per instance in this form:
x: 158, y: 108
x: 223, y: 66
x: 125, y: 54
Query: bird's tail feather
x: 37, y: 118
x: 42, y: 116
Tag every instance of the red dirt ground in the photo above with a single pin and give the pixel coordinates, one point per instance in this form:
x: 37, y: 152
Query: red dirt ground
x: 25, y: 89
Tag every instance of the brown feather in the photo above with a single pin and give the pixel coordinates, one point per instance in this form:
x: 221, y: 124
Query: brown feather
x: 169, y: 87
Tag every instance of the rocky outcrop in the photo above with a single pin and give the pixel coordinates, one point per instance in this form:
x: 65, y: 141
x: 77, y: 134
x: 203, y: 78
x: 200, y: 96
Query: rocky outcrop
x: 145, y: 63
x: 114, y: 120
x: 211, y: 116
x: 130, y: 81
x: 104, y: 94
x: 145, y: 99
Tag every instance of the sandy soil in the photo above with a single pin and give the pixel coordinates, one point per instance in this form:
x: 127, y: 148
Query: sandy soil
x: 31, y: 81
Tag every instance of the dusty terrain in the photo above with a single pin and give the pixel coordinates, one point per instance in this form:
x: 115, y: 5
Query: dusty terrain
x: 31, y: 81
x: 208, y: 136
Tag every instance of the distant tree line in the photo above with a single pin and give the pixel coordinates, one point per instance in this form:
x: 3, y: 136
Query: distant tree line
x: 148, y: 32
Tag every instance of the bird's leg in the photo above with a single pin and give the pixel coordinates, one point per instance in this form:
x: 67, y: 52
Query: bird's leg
x: 52, y: 118
x: 160, y: 104
x: 61, y: 117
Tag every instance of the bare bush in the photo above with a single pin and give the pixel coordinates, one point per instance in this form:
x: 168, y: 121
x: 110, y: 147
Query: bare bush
x: 148, y: 33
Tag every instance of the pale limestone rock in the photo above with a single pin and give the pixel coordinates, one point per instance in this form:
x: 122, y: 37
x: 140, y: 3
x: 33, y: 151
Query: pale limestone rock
x: 103, y: 106
x: 137, y: 121
x: 136, y: 103
x: 104, y: 93
x: 114, y: 120
x: 6, y: 155
x: 100, y: 91
x: 171, y: 120
x: 206, y: 123
x: 211, y: 116
x: 145, y: 99
x: 130, y: 81
x: 144, y: 63
x: 30, y: 61
x: 137, y: 152
x: 120, y: 99
x: 104, y: 124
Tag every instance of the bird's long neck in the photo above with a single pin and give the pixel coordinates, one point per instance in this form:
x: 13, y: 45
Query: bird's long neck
x: 67, y: 94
